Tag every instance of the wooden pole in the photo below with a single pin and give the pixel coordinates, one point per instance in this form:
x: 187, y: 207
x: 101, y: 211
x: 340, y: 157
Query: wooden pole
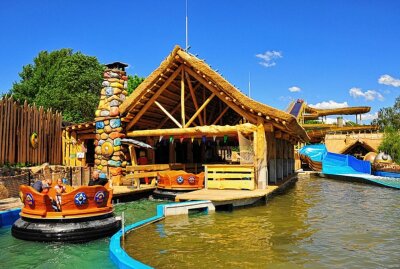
x: 221, y: 115
x: 172, y: 113
x: 199, y: 110
x: 183, y: 97
x: 192, y: 93
x: 167, y: 113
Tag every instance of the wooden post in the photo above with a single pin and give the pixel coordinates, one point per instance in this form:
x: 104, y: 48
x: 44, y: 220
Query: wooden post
x: 271, y: 157
x: 183, y: 97
x: 205, y: 177
x: 172, y: 152
x: 260, y: 161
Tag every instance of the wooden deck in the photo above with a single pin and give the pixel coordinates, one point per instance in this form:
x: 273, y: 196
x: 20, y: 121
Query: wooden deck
x: 234, y: 197
x: 127, y: 190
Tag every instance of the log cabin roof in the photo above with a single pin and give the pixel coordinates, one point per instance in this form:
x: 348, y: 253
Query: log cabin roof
x: 161, y: 90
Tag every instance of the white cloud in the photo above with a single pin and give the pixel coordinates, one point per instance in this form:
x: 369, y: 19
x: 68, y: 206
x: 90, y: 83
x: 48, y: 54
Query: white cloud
x: 369, y: 116
x: 268, y: 57
x: 329, y: 104
x: 369, y: 95
x: 294, y: 89
x: 389, y: 80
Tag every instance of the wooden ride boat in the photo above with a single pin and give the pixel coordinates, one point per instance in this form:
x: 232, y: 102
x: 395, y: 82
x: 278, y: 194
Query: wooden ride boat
x: 170, y: 183
x: 86, y: 213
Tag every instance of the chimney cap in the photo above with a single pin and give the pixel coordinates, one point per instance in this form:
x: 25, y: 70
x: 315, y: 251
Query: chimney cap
x: 117, y: 65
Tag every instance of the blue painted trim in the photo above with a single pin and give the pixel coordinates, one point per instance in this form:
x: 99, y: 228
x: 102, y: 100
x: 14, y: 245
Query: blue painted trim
x: 7, y: 218
x: 118, y: 254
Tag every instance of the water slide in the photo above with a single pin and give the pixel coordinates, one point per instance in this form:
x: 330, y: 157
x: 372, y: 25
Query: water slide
x: 343, y: 167
x: 333, y: 163
x: 295, y: 109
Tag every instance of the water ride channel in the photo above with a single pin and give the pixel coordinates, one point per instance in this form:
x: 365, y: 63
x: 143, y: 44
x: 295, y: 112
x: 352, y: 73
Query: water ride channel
x: 317, y: 223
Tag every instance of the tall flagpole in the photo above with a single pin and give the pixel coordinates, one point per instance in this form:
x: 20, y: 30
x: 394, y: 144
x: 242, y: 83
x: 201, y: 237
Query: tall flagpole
x: 187, y: 42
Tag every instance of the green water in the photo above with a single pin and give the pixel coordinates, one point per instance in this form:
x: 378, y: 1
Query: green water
x: 15, y: 253
x: 319, y: 223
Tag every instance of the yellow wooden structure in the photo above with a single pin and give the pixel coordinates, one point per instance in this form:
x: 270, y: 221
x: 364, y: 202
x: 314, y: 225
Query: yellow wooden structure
x: 225, y: 176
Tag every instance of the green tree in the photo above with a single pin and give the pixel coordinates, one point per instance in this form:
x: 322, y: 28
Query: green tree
x: 389, y: 116
x: 391, y: 143
x: 62, y: 80
x: 133, y: 83
x: 312, y: 122
x: 351, y: 123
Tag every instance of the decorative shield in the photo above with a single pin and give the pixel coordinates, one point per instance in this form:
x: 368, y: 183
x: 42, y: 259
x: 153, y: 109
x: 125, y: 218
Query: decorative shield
x: 99, y: 197
x: 80, y: 198
x: 179, y: 180
x: 29, y: 199
x: 192, y: 180
x: 34, y: 140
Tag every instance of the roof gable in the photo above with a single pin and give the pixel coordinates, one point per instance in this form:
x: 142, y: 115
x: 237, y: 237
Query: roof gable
x: 184, y: 79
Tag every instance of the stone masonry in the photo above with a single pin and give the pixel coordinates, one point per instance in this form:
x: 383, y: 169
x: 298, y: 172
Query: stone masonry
x: 109, y: 158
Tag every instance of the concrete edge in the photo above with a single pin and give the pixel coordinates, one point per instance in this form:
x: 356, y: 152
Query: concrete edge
x: 118, y: 254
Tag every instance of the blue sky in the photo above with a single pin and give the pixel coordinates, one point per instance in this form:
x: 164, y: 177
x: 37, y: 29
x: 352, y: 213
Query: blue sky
x: 325, y: 52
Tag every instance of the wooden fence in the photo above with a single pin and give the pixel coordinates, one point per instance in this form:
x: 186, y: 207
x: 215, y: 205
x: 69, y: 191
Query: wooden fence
x: 18, y: 123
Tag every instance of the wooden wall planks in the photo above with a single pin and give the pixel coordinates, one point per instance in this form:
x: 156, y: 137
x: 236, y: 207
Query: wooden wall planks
x: 18, y: 122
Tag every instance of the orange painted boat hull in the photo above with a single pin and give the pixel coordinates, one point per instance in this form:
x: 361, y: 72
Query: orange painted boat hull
x: 86, y: 214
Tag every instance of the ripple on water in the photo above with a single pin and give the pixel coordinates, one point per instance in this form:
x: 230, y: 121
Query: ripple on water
x: 319, y: 223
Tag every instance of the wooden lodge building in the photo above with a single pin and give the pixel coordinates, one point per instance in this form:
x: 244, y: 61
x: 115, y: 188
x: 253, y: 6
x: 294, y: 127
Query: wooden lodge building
x: 192, y: 117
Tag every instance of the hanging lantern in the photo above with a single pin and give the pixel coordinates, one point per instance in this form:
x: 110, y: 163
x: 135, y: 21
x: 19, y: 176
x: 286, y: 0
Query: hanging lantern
x: 225, y: 139
x: 171, y: 139
x: 192, y: 139
x: 214, y: 137
x: 204, y: 139
x: 181, y: 139
x: 161, y: 137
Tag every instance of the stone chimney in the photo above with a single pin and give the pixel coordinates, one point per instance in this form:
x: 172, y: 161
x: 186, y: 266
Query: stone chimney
x: 109, y: 158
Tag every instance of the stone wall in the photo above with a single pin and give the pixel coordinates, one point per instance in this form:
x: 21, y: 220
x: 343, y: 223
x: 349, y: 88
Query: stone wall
x: 109, y: 158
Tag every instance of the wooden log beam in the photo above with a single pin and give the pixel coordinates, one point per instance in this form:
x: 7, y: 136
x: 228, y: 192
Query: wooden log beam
x: 221, y: 115
x: 172, y: 113
x: 154, y: 97
x: 235, y: 107
x: 167, y: 113
x: 183, y: 97
x: 278, y: 134
x: 246, y: 128
x: 199, y: 110
x: 212, y: 114
x: 268, y: 127
x: 86, y: 136
x: 192, y: 93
